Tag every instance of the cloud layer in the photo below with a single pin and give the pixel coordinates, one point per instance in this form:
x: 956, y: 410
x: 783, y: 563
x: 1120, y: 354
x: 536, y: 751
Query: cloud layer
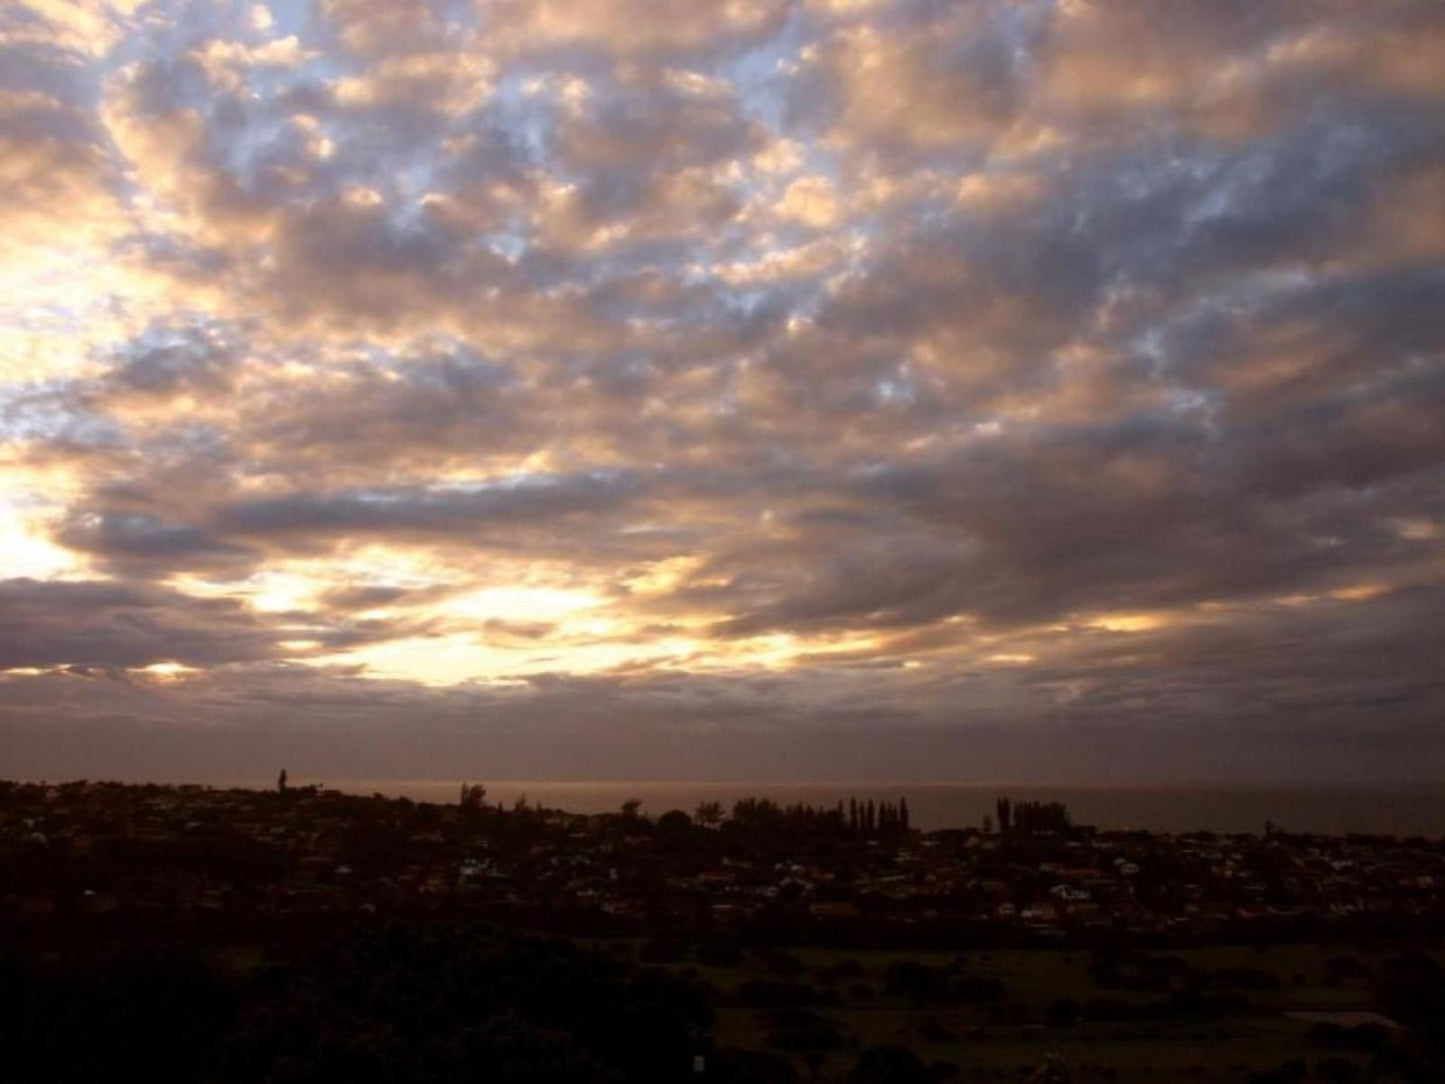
x: 819, y: 388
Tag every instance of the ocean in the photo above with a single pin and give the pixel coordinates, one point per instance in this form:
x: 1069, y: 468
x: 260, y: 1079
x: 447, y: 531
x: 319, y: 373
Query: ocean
x: 1402, y: 809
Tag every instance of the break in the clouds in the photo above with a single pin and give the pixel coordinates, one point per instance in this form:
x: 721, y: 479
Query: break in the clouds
x: 805, y: 388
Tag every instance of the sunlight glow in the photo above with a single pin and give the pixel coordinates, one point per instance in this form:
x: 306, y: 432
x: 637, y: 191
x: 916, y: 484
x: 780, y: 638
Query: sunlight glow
x: 518, y: 604
x: 167, y: 673
x: 1126, y: 622
x: 26, y: 550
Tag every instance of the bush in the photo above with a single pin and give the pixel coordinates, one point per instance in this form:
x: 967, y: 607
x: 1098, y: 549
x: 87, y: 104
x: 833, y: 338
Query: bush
x: 1337, y: 1071
x: 779, y: 962
x: 772, y: 994
x: 800, y: 1029
x: 930, y: 1030
x: 751, y: 1067
x: 1064, y: 1013
x: 888, y: 1065
x: 720, y: 953
x: 395, y: 1007
x: 663, y: 950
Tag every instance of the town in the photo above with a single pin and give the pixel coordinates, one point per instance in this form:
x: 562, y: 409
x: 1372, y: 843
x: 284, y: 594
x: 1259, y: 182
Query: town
x: 811, y: 939
x: 831, y: 875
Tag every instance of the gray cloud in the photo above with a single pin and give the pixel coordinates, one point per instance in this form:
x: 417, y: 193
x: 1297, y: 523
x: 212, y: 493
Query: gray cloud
x: 1281, y: 694
x: 442, y: 511
x: 106, y: 625
x: 133, y: 540
x: 820, y: 384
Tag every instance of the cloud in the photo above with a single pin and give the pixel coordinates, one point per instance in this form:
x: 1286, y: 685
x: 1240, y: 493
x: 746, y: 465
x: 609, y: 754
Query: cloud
x: 133, y: 541
x: 928, y: 80
x: 107, y: 625
x: 1220, y: 698
x: 635, y: 29
x: 588, y: 378
x: 431, y: 510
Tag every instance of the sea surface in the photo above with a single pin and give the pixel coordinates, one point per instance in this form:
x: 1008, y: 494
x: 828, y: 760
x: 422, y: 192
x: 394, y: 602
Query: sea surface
x: 1402, y: 810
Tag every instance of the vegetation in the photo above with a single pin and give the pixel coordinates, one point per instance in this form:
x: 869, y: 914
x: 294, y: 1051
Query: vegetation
x: 188, y: 934
x: 396, y: 1004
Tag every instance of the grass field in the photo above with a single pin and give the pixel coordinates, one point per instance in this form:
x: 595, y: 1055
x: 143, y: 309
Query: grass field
x: 1004, y: 1039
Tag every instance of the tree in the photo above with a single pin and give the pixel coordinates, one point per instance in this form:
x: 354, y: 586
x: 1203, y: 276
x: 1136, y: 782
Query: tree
x: 1041, y: 817
x: 674, y: 821
x: 450, y: 1004
x: 903, y: 813
x: 813, y: 1058
x: 281, y: 782
x: 888, y: 1065
x: 709, y: 814
x: 1063, y: 1013
x: 630, y: 808
x: 1004, y: 808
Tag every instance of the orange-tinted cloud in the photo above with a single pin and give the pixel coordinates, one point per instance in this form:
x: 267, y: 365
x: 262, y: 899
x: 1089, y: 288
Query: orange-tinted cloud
x: 782, y: 372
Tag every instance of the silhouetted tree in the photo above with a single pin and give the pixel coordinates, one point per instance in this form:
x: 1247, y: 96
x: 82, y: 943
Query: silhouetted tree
x: 674, y: 821
x: 888, y: 1065
x: 417, y: 1006
x: 1041, y: 817
x: 472, y: 797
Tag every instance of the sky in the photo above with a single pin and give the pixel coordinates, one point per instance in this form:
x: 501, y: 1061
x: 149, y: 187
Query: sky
x: 734, y: 390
